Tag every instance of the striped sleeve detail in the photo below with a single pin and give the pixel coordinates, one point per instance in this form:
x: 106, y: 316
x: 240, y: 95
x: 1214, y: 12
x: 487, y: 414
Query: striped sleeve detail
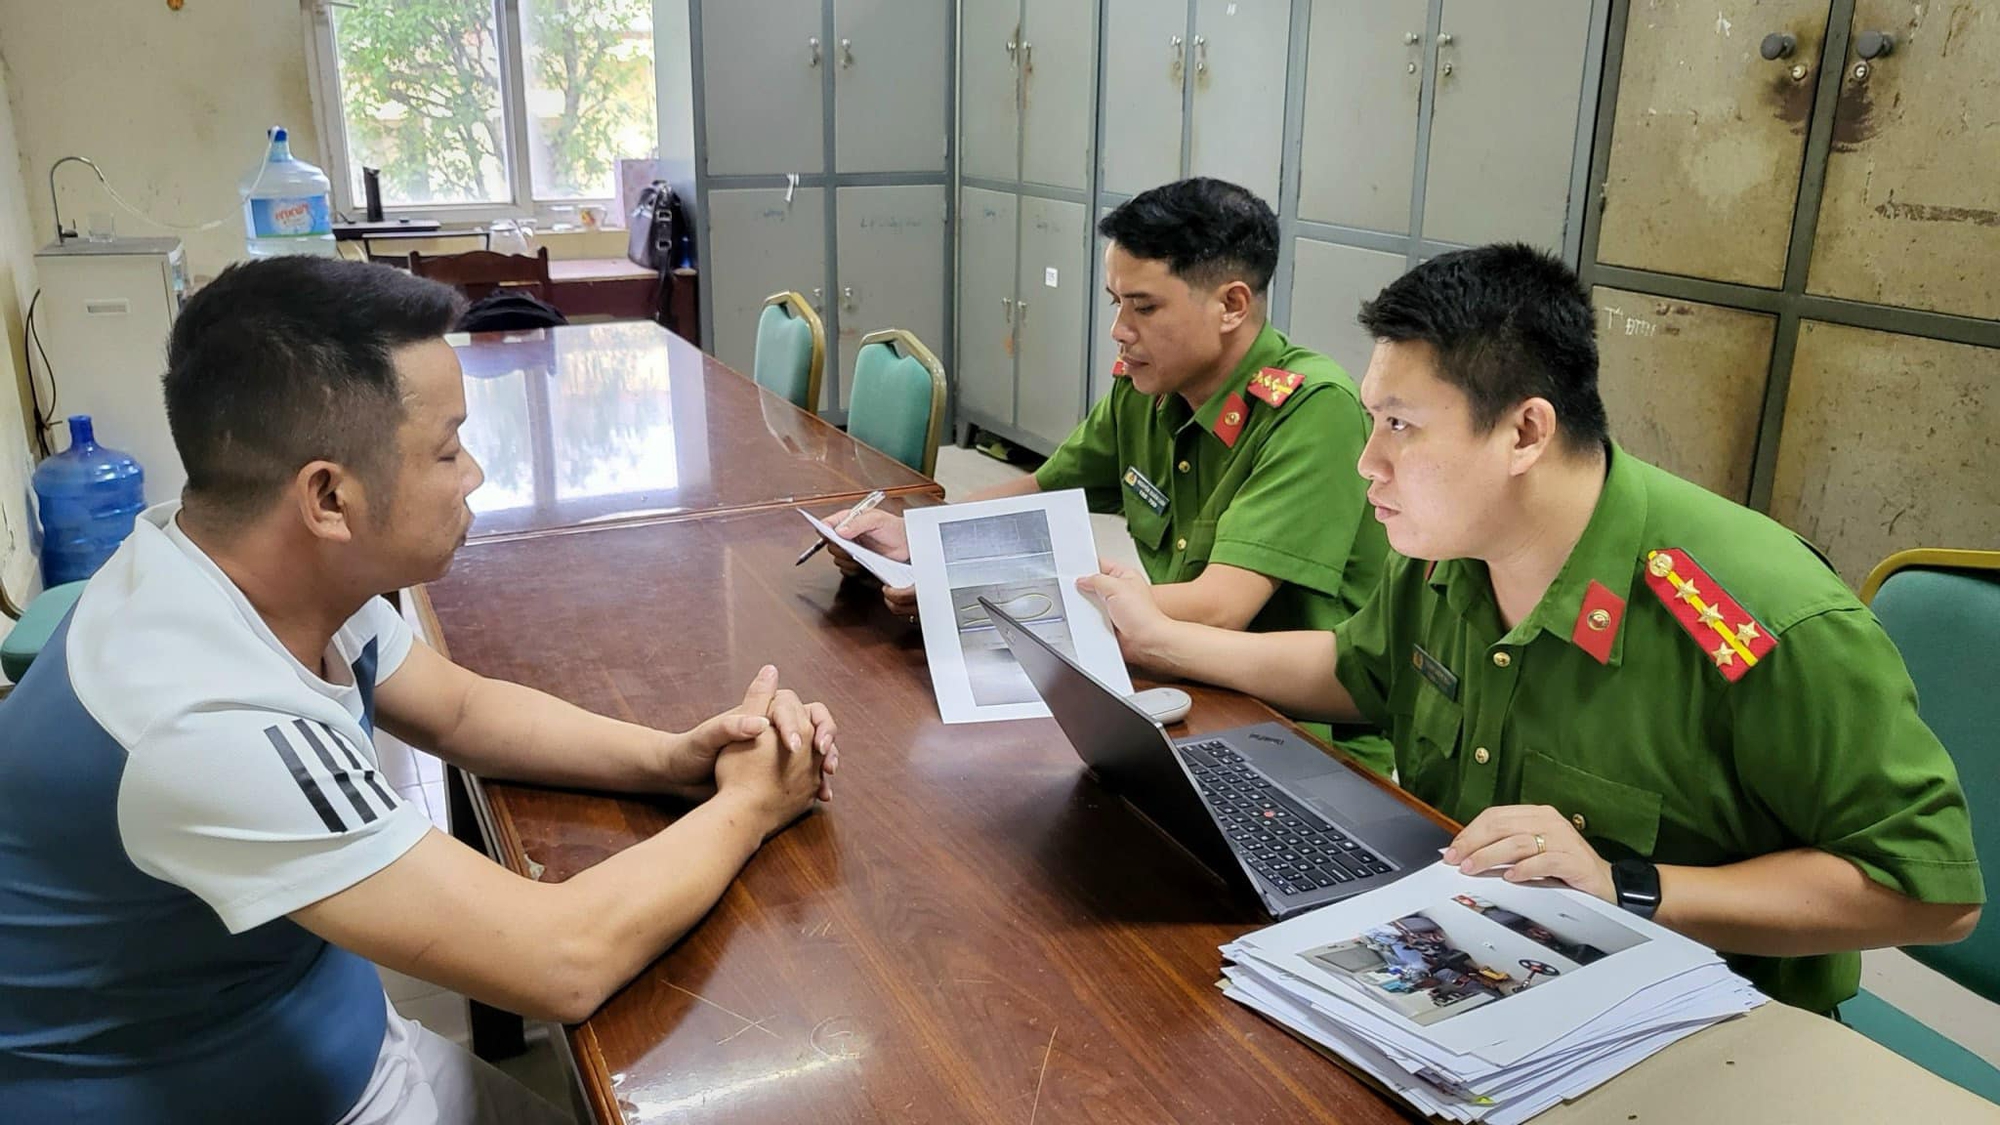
x: 302, y: 744
x: 307, y: 783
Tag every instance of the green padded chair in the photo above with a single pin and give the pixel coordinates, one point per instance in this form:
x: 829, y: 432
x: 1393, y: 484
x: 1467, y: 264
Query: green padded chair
x: 791, y: 350
x: 897, y: 404
x: 24, y: 641
x: 1942, y: 608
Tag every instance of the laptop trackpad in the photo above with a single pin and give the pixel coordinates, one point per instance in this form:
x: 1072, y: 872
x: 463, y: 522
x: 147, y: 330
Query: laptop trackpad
x: 1320, y: 780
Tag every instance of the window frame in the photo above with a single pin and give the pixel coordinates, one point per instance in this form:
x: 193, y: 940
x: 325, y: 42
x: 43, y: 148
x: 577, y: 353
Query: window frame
x: 323, y: 77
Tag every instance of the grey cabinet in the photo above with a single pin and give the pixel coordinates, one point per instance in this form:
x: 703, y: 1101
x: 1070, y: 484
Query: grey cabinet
x: 1023, y: 314
x: 1145, y: 70
x: 891, y: 266
x: 763, y: 106
x: 1329, y: 282
x: 1050, y: 314
x: 1225, y: 60
x: 1028, y: 79
x: 989, y: 120
x: 1364, y: 61
x: 820, y: 165
x: 891, y: 64
x: 1503, y: 130
x: 987, y: 239
x: 1058, y: 84
x: 762, y: 245
x: 1236, y: 65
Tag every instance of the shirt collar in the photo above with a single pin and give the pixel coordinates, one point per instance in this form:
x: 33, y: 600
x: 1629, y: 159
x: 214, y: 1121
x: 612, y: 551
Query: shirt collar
x: 1264, y: 351
x: 1605, y: 556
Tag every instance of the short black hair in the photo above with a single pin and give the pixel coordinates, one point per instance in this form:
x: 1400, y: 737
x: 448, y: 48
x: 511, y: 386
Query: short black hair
x: 1207, y: 231
x: 284, y: 361
x: 1509, y: 322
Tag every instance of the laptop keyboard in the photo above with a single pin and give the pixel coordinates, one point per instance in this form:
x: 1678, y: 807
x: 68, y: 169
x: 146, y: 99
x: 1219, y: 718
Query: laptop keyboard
x: 1292, y: 847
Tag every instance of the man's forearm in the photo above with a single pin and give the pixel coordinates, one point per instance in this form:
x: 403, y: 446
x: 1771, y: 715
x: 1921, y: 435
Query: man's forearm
x: 1799, y: 903
x: 520, y: 734
x: 620, y: 915
x: 1292, y: 672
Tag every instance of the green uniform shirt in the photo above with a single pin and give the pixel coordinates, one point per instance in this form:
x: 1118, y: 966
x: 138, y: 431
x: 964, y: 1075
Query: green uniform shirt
x: 1654, y: 751
x: 1271, y: 489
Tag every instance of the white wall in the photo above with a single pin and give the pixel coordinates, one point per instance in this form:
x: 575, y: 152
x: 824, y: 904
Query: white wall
x: 172, y: 105
x: 17, y: 283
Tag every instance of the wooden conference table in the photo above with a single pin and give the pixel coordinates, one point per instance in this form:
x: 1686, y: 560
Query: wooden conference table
x: 590, y: 424
x: 974, y: 930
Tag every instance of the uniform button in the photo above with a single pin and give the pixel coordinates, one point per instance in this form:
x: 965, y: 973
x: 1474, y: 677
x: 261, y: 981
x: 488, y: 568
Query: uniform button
x: 1579, y: 822
x: 1180, y: 544
x: 1480, y: 755
x: 1501, y: 659
x: 1184, y: 466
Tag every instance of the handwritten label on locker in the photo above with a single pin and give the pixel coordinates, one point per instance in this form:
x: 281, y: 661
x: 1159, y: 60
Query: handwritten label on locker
x: 1049, y: 277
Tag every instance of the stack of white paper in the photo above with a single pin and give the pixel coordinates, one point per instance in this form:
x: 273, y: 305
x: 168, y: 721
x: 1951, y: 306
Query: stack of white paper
x: 1476, y: 999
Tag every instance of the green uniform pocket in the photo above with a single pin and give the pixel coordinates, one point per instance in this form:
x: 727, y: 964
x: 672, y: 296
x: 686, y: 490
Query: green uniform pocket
x: 1610, y: 810
x: 1148, y: 528
x: 1423, y: 759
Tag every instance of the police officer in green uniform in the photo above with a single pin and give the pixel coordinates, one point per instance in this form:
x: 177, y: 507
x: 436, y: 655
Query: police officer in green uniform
x: 1228, y: 449
x: 1612, y: 677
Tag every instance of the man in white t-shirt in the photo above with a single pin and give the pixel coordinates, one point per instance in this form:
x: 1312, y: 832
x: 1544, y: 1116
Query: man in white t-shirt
x: 200, y: 864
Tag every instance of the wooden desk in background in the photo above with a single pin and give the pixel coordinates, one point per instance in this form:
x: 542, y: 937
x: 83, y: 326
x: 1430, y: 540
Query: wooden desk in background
x: 611, y: 287
x: 603, y: 423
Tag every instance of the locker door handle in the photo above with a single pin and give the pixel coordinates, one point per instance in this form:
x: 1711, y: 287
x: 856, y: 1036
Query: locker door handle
x: 846, y: 53
x: 1875, y: 44
x: 847, y: 296
x: 1778, y: 45
x: 812, y: 46
x: 1021, y: 307
x: 1007, y: 309
x: 1013, y: 47
x: 1027, y: 55
x: 1180, y: 56
x: 1201, y: 54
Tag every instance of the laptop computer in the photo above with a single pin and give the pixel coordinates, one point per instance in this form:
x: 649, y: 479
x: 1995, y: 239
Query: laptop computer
x: 1261, y: 807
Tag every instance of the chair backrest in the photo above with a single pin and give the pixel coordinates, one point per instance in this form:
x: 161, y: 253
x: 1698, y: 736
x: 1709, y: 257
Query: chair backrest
x: 897, y: 404
x: 1942, y: 608
x: 791, y: 350
x: 479, y: 272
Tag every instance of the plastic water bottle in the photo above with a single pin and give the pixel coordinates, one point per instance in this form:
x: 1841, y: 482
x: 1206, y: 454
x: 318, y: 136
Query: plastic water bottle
x: 88, y: 496
x: 287, y: 205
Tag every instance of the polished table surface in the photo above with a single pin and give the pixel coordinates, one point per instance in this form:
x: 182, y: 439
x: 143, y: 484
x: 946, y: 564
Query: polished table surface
x: 972, y: 931
x: 590, y: 424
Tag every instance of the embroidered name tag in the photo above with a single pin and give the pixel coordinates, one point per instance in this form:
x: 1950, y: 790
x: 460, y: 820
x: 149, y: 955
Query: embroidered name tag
x: 1147, y: 491
x: 1434, y: 670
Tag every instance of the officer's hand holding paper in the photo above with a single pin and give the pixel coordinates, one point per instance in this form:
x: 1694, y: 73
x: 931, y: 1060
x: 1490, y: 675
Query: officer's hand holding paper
x: 849, y: 548
x: 1024, y: 554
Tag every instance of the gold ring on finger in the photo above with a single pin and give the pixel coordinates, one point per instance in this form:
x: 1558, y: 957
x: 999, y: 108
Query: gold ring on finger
x: 1540, y: 844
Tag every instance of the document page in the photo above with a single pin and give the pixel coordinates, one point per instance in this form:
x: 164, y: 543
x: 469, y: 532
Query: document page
x: 1024, y: 554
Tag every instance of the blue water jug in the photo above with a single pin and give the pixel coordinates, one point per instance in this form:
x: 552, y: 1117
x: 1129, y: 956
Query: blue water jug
x: 88, y: 496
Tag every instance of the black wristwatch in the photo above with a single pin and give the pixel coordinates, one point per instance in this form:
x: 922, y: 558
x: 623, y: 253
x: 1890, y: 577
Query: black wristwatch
x: 1636, y: 882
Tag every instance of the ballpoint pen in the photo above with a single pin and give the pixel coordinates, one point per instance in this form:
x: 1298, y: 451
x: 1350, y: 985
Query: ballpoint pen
x: 867, y: 502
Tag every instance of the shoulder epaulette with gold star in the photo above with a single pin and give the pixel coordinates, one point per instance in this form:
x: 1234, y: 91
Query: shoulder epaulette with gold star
x: 1274, y: 385
x: 1731, y: 638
